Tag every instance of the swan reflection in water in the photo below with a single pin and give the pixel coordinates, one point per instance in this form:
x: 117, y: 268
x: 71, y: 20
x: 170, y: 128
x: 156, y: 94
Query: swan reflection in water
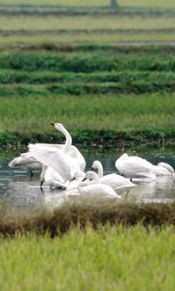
x: 161, y: 190
x: 25, y: 199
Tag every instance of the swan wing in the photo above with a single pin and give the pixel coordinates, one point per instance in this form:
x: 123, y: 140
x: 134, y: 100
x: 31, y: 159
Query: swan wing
x: 73, y: 152
x: 53, y: 158
x: 168, y: 167
x: 116, y: 181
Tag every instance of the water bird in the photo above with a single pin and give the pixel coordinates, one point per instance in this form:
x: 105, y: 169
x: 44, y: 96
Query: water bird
x: 97, y: 192
x: 51, y: 178
x: 117, y: 182
x: 163, y: 169
x: 27, y: 162
x: 66, y: 166
x: 68, y: 148
x: 134, y: 167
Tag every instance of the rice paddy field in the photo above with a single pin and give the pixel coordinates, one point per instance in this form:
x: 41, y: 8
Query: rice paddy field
x: 106, y: 75
x: 121, y: 89
x: 97, y: 3
x: 113, y: 258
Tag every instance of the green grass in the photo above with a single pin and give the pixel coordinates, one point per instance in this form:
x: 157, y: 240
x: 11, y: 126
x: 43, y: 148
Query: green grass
x: 159, y: 37
x: 108, y: 112
x: 90, y: 89
x: 34, y: 23
x: 47, y: 77
x: 113, y: 258
x: 90, y: 61
x: 157, y: 29
x: 94, y: 71
x: 98, y: 3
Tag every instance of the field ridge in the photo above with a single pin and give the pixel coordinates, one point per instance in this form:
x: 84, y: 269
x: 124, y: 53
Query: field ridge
x: 43, y: 10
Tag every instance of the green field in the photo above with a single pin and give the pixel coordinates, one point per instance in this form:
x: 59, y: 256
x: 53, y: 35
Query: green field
x: 118, y: 113
x: 122, y: 89
x: 112, y: 258
x: 41, y: 23
x: 98, y: 3
x: 114, y: 29
x: 36, y: 29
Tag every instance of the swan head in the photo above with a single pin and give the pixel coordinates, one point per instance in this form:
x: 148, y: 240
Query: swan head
x: 90, y: 175
x: 58, y: 126
x: 124, y: 156
x: 96, y: 165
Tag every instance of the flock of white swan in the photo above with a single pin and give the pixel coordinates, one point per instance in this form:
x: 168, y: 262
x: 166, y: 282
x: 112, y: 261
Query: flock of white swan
x: 63, y: 167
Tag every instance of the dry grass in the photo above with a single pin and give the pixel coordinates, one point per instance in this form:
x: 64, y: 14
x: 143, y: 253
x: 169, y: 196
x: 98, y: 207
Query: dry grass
x: 62, y: 220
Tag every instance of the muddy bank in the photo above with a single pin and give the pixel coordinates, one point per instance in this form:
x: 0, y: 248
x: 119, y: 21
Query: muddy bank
x: 97, y: 139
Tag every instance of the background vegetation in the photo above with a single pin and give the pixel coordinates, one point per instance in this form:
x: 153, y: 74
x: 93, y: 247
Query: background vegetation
x: 120, y: 89
x: 128, y: 3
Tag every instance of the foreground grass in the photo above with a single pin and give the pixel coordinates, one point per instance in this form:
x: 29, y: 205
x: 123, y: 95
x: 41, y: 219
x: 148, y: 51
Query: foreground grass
x: 112, y: 258
x: 115, y: 112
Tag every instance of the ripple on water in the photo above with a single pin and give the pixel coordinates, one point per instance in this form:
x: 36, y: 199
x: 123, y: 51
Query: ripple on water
x: 22, y: 198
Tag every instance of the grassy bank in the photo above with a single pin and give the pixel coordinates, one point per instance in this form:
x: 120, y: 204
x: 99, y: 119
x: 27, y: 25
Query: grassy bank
x: 89, y: 260
x: 101, y: 94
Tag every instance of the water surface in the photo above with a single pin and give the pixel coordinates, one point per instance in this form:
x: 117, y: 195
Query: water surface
x: 21, y: 196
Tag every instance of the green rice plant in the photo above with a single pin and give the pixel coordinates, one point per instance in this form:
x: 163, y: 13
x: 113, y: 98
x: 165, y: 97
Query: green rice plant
x: 104, y: 38
x: 114, y: 22
x: 119, y: 112
x: 112, y: 258
x: 92, y: 88
x: 86, y: 62
x: 47, y: 77
x: 91, y: 3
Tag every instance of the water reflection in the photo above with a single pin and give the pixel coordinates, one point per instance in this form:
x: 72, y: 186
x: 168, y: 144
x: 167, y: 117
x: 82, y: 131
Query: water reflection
x: 21, y: 196
x: 161, y: 190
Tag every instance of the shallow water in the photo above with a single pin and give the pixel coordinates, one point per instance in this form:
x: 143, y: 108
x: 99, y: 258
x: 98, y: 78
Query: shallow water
x: 21, y: 196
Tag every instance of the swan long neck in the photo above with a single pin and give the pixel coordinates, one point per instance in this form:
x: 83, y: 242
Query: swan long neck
x: 68, y: 137
x: 100, y: 169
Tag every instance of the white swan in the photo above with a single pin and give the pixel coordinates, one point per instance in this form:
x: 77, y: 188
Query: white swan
x: 163, y: 169
x: 68, y: 147
x: 95, y: 192
x: 50, y: 177
x: 117, y: 182
x: 29, y: 163
x: 26, y: 162
x: 66, y: 166
x: 134, y: 167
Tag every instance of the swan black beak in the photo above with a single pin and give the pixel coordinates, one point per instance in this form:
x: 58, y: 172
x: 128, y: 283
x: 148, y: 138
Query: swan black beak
x: 52, y: 123
x: 84, y: 179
